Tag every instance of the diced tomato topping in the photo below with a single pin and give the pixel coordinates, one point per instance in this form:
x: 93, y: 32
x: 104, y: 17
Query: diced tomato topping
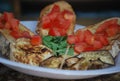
x: 89, y: 37
x: 97, y: 45
x: 55, y: 8
x: 67, y: 14
x: 71, y: 39
x: 112, y: 30
x: 1, y: 19
x: 89, y: 48
x: 7, y: 25
x: 62, y: 32
x: 26, y: 34
x: 106, y: 24
x: 80, y: 35
x: 57, y: 20
x: 14, y: 24
x: 8, y: 22
x: 54, y: 32
x: 8, y: 16
x: 1, y: 25
x: 47, y: 23
x: 15, y: 34
x: 102, y: 38
x: 80, y: 47
x: 36, y: 40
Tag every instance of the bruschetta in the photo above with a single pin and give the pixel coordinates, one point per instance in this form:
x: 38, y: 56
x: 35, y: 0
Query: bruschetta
x: 101, y: 36
x: 57, y: 19
x: 19, y: 44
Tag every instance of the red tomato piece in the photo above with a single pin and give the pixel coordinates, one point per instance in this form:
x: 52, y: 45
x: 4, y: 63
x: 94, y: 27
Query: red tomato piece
x: 97, y: 45
x: 89, y: 37
x: 1, y: 25
x: 106, y: 24
x: 2, y: 19
x: 15, y: 34
x: 112, y: 30
x: 55, y: 8
x: 36, y: 40
x: 26, y: 34
x: 67, y: 15
x: 61, y: 22
x: 7, y: 25
x: 62, y: 32
x: 8, y: 16
x: 80, y: 35
x: 14, y: 24
x: 46, y: 23
x: 80, y: 47
x: 102, y: 38
x: 54, y: 32
x: 71, y: 39
x: 89, y: 48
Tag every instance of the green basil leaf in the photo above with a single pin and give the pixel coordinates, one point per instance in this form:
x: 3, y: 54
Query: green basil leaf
x: 58, y: 44
x: 71, y: 52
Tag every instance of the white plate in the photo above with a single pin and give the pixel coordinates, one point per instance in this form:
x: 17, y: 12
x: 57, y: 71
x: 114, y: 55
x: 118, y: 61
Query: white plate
x: 57, y: 73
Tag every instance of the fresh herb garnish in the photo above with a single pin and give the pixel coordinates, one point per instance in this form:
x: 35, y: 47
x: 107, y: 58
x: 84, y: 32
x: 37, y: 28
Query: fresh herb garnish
x: 58, y: 44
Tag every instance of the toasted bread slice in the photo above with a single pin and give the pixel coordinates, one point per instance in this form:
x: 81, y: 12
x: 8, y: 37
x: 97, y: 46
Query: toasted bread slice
x: 63, y: 6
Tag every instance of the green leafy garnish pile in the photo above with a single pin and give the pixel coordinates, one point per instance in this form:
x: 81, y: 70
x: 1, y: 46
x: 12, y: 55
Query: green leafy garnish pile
x: 58, y: 44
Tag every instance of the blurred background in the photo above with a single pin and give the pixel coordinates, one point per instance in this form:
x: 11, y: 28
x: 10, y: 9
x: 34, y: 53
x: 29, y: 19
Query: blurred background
x: 87, y: 11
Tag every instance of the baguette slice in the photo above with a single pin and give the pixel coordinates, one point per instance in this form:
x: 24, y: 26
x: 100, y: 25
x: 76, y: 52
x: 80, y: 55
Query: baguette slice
x: 21, y: 49
x: 63, y: 6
